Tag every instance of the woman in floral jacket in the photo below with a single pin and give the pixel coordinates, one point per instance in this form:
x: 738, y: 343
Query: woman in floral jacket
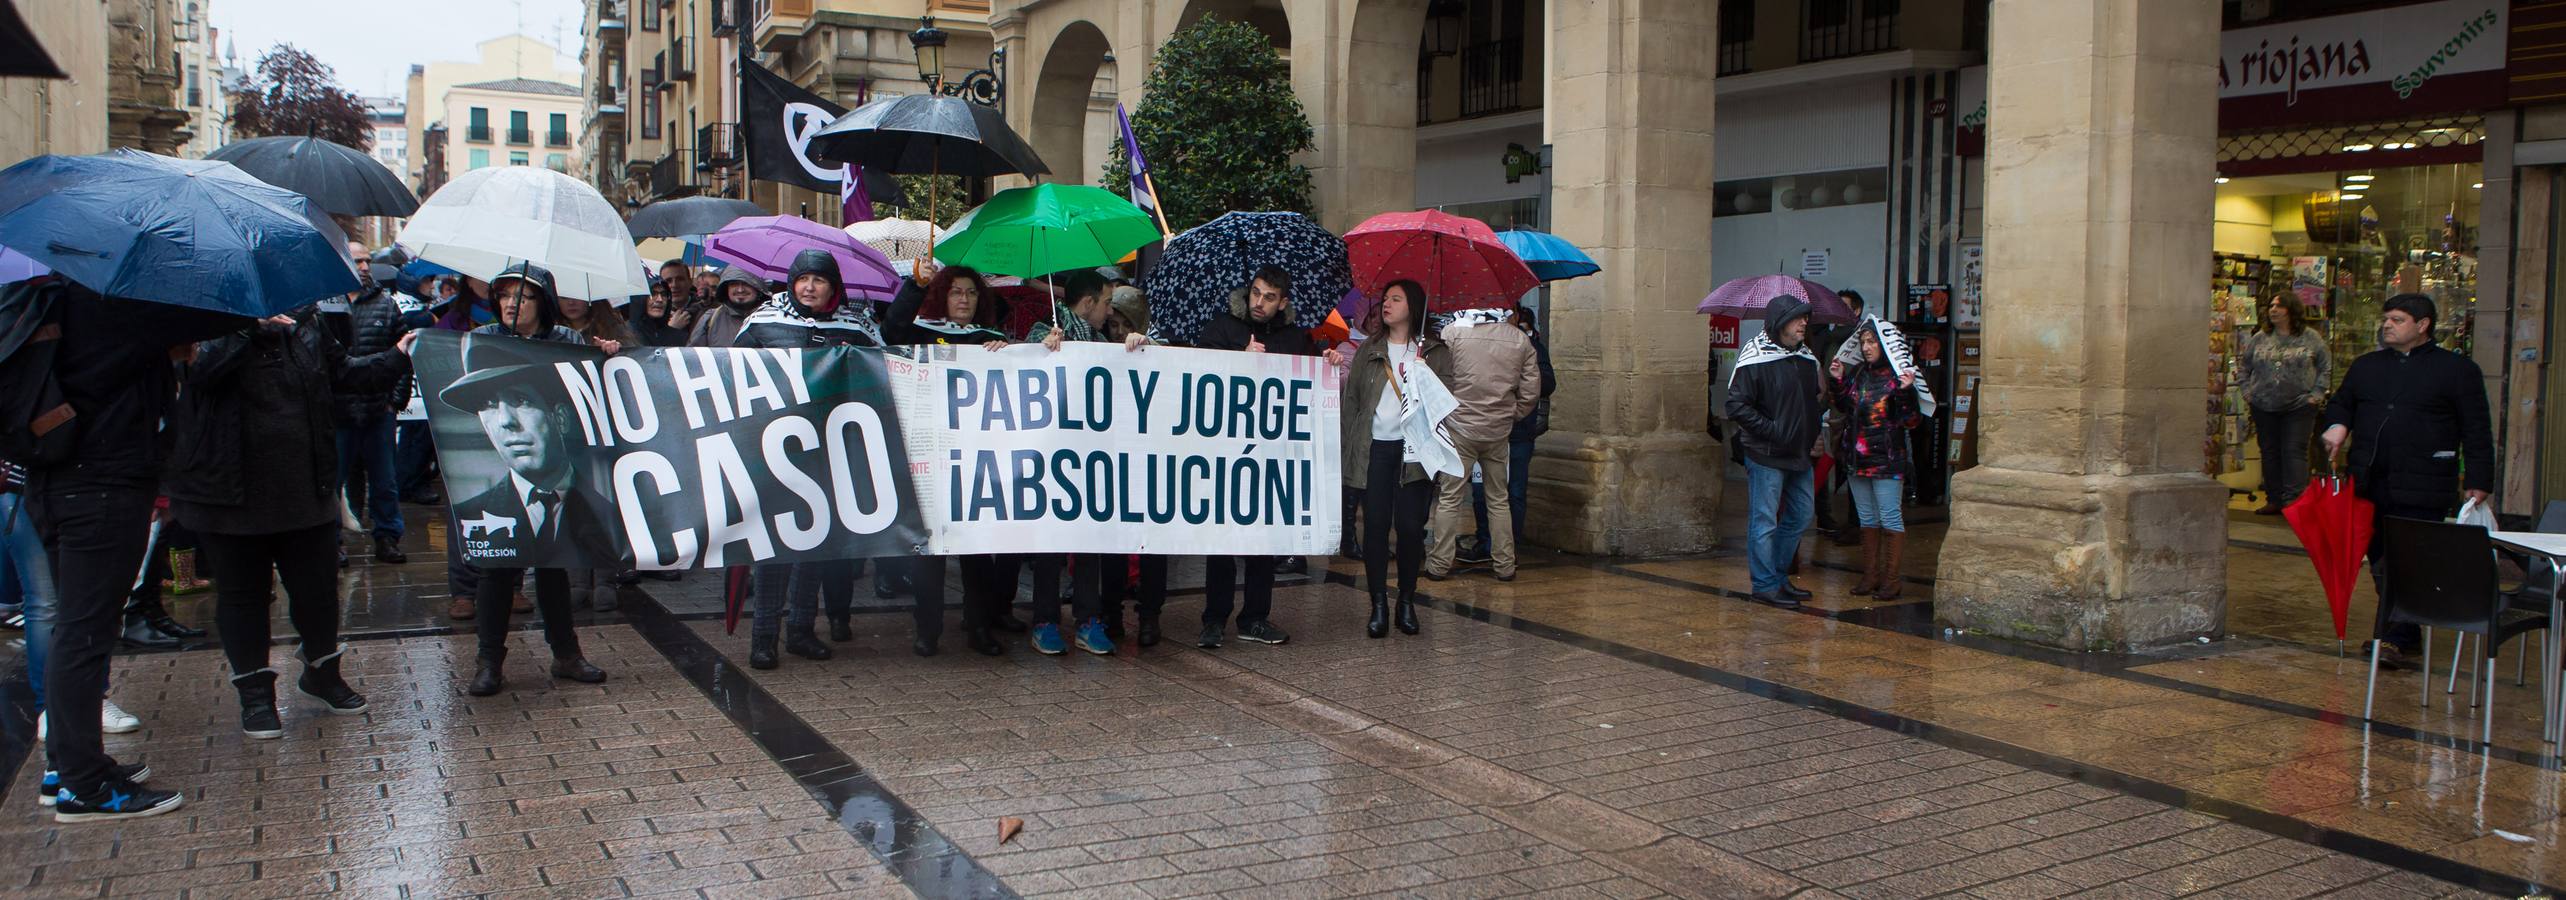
x: 1877, y: 398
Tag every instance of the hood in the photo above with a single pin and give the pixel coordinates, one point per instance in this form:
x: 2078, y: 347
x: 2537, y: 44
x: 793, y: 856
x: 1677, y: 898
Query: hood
x: 816, y: 262
x: 547, y: 311
x: 722, y: 289
x: 1781, y: 311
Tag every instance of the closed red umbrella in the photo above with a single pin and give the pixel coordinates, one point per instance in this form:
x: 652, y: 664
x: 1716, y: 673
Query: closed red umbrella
x: 2335, y: 525
x: 1460, y: 261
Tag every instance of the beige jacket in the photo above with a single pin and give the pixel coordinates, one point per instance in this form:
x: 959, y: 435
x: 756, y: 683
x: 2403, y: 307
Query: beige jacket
x: 1496, y: 377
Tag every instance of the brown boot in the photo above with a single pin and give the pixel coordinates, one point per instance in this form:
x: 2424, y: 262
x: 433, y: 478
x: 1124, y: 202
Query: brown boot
x: 1870, y: 563
x: 1893, y: 544
x: 460, y: 609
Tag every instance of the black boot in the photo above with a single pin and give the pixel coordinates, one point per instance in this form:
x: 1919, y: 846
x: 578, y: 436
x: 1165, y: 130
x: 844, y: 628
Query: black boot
x: 1379, y: 624
x: 1407, y: 614
x: 486, y: 679
x: 806, y: 645
x: 841, y: 630
x: 983, y: 643
x: 761, y: 652
x: 258, y: 704
x: 1148, y: 631
x: 387, y: 549
x: 139, y: 633
x: 321, y: 680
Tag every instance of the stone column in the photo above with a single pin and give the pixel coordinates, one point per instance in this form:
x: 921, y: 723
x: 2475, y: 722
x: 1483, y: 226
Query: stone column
x: 1628, y: 467
x: 2088, y: 523
x: 1357, y: 78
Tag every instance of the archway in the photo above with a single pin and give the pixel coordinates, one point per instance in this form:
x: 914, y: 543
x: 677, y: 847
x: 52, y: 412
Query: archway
x: 1267, y: 15
x: 1062, y: 93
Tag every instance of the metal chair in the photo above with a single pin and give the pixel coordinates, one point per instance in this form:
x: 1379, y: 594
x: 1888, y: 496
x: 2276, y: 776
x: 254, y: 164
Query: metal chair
x: 2442, y: 575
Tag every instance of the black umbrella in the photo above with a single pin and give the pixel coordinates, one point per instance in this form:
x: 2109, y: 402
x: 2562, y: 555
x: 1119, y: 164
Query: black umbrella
x: 921, y: 134
x: 340, y: 179
x: 1192, y: 278
x: 20, y: 53
x: 689, y: 216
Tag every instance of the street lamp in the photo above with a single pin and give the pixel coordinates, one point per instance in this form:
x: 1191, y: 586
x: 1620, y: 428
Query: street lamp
x: 928, y: 43
x: 1443, y: 27
x: 982, y: 86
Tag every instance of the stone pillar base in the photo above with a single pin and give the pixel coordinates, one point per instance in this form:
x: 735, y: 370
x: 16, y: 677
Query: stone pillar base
x: 1616, y: 495
x: 2095, y: 562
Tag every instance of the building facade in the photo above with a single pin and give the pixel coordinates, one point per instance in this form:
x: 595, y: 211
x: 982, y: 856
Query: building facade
x: 145, y: 97
x: 501, y: 59
x: 204, y: 80
x: 661, y: 106
x: 69, y: 115
x: 514, y: 122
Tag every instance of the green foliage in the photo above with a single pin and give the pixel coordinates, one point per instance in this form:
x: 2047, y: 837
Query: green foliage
x: 951, y: 199
x: 1219, y: 127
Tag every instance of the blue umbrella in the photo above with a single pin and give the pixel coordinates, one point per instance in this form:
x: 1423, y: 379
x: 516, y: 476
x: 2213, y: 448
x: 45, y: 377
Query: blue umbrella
x: 1550, y: 257
x: 15, y: 266
x: 192, y: 233
x: 417, y: 271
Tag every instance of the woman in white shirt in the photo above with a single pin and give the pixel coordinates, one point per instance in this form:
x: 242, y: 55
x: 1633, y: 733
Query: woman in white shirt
x: 1380, y: 383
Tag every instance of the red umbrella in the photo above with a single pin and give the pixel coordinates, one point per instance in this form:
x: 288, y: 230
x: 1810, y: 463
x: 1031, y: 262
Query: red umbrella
x: 1745, y: 298
x: 1460, y: 261
x: 2335, y: 525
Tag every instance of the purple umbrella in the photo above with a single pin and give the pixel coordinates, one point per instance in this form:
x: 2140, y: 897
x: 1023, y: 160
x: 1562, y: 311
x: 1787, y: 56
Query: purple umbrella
x: 766, y: 245
x: 15, y: 266
x: 1352, y: 306
x: 1745, y: 298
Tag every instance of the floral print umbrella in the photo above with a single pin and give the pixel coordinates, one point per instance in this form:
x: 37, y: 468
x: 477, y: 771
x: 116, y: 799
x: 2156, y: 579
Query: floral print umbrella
x: 1460, y: 261
x: 1195, y: 274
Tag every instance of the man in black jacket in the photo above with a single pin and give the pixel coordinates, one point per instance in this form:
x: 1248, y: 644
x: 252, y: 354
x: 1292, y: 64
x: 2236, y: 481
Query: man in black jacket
x: 2421, y: 436
x: 367, y: 418
x: 1259, y: 321
x: 1773, y: 396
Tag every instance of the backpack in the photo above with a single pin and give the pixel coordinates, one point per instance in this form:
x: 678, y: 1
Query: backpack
x: 37, y: 426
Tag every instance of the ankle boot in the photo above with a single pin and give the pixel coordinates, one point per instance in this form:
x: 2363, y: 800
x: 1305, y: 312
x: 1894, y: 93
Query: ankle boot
x: 761, y: 651
x: 841, y: 630
x: 487, y: 678
x: 806, y: 645
x: 258, y: 704
x: 1870, y: 563
x: 1379, y: 624
x: 1407, y: 613
x: 321, y: 680
x: 1893, y: 544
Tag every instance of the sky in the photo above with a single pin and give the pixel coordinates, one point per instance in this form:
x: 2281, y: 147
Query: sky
x: 372, y: 43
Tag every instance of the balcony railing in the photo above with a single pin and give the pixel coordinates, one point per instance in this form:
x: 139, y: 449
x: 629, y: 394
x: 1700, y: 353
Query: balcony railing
x: 681, y: 59
x: 521, y: 136
x: 1835, y: 29
x: 1737, y: 36
x: 725, y: 18
x: 674, y: 175
x: 717, y: 146
x: 1735, y: 57
x: 1492, y: 77
x: 556, y: 138
x: 665, y: 77
x: 479, y: 134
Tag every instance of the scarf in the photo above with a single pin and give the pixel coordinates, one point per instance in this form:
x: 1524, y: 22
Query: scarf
x: 1893, y: 345
x: 956, y: 329
x: 1763, y: 350
x: 852, y: 315
x: 1472, y: 318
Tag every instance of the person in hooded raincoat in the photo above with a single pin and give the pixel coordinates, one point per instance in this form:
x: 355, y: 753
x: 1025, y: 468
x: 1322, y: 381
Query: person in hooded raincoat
x: 739, y: 294
x: 1774, y: 396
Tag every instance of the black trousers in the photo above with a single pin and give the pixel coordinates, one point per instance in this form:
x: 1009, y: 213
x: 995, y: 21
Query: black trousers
x: 96, y: 531
x: 552, y: 600
x: 988, y: 588
x: 1086, y: 574
x: 1388, y: 503
x: 926, y: 582
x: 1220, y: 582
x: 247, y: 567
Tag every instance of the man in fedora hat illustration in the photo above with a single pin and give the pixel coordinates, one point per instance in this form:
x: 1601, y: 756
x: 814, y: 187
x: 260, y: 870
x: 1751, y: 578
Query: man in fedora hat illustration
x: 540, y: 513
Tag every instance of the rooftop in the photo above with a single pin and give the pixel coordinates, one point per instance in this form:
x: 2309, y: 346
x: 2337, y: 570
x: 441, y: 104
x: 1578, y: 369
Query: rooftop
x: 525, y: 86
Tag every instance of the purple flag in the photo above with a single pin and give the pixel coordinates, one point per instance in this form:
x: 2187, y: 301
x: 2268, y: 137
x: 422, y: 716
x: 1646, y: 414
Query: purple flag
x: 857, y: 204
x: 1144, y: 195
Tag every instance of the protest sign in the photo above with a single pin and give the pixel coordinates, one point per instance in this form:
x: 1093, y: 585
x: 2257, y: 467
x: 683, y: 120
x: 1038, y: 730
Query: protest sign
x: 560, y: 456
x: 1095, y: 449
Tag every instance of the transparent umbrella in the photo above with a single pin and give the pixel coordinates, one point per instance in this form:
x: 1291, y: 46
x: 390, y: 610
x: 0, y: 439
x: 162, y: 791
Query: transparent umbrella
x: 492, y: 218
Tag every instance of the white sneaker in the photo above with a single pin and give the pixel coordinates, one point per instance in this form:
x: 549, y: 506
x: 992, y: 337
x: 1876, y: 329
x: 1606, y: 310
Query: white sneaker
x: 114, y: 720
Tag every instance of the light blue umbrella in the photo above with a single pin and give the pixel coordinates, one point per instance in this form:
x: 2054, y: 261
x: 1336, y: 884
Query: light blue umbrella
x: 1550, y: 257
x: 15, y: 266
x: 194, y: 233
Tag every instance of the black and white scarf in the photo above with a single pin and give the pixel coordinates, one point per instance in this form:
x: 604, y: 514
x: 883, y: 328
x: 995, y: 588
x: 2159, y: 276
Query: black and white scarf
x: 1763, y: 350
x: 852, y: 315
x: 1902, y: 359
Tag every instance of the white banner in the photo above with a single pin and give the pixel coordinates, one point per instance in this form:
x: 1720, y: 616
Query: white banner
x: 2403, y: 46
x: 1095, y: 449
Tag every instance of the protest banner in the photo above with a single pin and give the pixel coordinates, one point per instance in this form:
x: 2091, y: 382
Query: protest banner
x: 1095, y: 449
x: 667, y: 458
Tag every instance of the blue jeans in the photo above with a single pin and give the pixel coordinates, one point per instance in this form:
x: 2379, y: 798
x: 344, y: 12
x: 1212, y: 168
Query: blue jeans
x: 1779, y: 503
x: 365, y: 462
x: 1518, y: 480
x: 1878, y: 500
x: 28, y: 584
x: 416, y: 454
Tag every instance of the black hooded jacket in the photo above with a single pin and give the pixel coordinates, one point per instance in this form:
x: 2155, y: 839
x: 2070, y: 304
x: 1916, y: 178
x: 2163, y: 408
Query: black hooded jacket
x: 255, y: 449
x: 1777, y: 404
x: 373, y: 325
x: 548, y: 310
x: 1232, y: 331
x: 784, y: 323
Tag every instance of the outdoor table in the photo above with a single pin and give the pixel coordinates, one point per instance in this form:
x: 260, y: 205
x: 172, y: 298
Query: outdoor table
x: 2550, y: 547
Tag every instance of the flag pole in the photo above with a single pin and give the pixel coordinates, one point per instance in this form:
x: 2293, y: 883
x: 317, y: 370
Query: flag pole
x: 1157, y: 204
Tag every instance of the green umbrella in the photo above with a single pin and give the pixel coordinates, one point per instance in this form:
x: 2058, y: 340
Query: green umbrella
x: 1035, y: 231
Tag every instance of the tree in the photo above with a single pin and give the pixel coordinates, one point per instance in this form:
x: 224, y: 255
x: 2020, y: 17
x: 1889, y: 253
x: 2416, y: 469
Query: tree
x: 293, y: 94
x: 1219, y: 126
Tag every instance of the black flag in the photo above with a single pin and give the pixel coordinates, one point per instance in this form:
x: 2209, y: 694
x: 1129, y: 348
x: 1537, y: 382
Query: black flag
x: 778, y: 118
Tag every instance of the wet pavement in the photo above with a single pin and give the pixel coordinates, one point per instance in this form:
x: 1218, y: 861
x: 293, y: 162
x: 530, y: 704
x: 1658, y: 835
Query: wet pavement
x: 1597, y: 727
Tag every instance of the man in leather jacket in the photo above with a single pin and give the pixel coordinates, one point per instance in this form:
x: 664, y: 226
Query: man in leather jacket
x: 367, y: 419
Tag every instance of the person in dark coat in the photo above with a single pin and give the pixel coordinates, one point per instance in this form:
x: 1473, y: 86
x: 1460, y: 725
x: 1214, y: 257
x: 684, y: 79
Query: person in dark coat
x: 367, y: 419
x: 1877, y: 399
x: 1259, y: 321
x: 739, y: 294
x: 94, y: 508
x: 2414, y: 417
x: 1774, y: 397
x: 954, y: 305
x: 527, y: 310
x: 255, y: 476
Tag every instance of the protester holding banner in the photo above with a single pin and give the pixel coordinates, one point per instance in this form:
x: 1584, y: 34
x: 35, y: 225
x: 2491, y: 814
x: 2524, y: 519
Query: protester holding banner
x: 255, y: 474
x: 955, y: 306
x: 525, y: 423
x: 663, y: 320
x: 596, y: 321
x: 952, y: 306
x: 1380, y: 395
x: 738, y: 294
x: 1259, y: 321
x: 1079, y: 315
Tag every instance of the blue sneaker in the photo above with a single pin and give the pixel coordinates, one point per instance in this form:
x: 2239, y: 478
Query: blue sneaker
x: 52, y: 789
x: 1092, y: 638
x: 1047, y: 640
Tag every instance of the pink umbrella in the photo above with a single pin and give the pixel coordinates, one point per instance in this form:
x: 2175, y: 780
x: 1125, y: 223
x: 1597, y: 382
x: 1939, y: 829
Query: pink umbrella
x: 1745, y: 298
x: 1460, y: 261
